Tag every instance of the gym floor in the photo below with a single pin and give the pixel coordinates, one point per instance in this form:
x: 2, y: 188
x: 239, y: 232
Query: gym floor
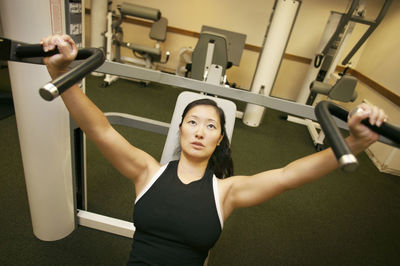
x: 341, y: 219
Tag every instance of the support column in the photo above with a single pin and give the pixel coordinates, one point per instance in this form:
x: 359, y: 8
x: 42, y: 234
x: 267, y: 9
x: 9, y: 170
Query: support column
x: 275, y: 42
x: 43, y: 127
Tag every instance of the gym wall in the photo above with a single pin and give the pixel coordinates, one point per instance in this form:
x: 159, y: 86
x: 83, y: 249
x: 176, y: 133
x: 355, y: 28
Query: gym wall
x: 377, y: 59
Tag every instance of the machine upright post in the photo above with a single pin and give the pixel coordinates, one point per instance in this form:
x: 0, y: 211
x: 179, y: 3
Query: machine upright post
x: 276, y: 39
x: 43, y: 129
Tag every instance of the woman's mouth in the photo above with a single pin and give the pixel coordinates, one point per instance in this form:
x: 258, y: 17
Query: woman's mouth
x: 197, y: 145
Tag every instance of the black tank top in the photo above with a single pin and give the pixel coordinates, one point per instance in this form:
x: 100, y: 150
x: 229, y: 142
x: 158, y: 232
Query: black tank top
x: 176, y: 223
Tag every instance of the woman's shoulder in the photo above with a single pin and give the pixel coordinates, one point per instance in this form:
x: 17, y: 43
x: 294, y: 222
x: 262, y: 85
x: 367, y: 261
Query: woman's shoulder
x: 228, y: 182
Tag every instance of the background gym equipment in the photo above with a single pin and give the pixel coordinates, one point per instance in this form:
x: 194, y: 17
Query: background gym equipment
x: 343, y: 90
x: 215, y: 52
x: 331, y: 47
x: 320, y: 78
x: 143, y: 55
x: 98, y: 17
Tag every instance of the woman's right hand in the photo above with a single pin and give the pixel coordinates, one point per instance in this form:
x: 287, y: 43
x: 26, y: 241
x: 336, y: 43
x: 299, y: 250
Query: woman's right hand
x: 58, y: 63
x: 360, y: 135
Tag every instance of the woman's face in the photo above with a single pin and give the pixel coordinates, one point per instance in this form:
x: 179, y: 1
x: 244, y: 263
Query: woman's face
x: 200, y: 132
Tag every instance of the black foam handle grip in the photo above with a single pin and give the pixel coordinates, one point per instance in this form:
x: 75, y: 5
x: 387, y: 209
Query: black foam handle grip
x: 93, y: 58
x: 324, y: 111
x: 36, y: 50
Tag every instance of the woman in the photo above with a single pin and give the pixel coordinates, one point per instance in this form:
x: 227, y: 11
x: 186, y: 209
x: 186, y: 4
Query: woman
x: 180, y: 207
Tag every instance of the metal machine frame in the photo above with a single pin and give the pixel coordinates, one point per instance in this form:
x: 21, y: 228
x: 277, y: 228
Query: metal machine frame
x: 125, y: 228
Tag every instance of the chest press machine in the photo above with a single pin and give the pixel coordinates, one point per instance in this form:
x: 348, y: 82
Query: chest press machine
x: 94, y: 60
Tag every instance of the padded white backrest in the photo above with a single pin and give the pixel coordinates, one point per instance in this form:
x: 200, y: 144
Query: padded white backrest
x: 172, y: 143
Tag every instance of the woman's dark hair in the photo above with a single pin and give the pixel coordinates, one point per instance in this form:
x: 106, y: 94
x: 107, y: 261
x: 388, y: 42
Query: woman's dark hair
x: 221, y: 160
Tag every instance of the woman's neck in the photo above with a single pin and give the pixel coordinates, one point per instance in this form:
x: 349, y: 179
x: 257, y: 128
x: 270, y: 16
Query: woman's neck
x: 189, y: 170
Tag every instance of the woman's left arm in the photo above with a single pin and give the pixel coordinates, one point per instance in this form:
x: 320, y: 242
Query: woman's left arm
x: 245, y: 191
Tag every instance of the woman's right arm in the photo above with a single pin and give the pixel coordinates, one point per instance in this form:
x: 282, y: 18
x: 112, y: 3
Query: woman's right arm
x: 127, y: 159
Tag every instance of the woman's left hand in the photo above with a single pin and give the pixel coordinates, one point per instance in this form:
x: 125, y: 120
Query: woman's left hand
x: 359, y: 133
x: 58, y: 63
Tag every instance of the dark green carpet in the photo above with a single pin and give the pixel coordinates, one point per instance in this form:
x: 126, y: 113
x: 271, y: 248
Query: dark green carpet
x: 342, y: 219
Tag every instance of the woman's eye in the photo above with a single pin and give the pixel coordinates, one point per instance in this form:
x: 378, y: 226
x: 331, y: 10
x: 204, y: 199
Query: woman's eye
x: 212, y: 126
x: 192, y: 122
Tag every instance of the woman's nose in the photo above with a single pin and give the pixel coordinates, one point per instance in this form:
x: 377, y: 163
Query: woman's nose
x: 199, y: 132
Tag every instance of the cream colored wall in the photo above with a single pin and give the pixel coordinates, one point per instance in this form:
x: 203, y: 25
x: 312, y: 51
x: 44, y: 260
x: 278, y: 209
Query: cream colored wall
x: 290, y: 76
x: 381, y: 57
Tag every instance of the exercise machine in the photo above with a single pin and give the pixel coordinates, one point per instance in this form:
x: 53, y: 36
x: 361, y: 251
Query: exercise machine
x: 343, y: 90
x: 143, y: 55
x: 216, y: 51
x: 321, y: 79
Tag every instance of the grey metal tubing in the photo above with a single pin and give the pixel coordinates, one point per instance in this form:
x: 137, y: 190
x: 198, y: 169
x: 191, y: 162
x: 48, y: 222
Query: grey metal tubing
x: 57, y: 86
x: 362, y: 20
x: 135, y: 72
x: 342, y: 23
x: 366, y: 35
x: 138, y: 122
x: 140, y: 11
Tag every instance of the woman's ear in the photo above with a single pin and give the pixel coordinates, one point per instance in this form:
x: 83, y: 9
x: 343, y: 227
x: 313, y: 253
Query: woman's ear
x: 220, y: 139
